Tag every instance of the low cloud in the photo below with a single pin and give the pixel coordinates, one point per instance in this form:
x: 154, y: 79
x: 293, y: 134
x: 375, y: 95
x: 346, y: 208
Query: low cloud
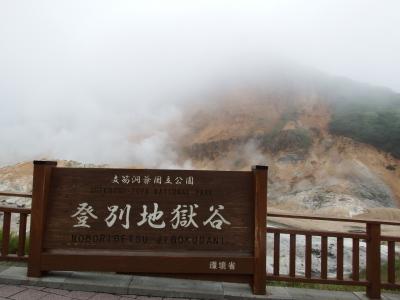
x: 102, y: 81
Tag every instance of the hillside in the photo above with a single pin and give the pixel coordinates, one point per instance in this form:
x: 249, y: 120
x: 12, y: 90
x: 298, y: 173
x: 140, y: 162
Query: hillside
x: 18, y: 178
x: 306, y: 126
x: 331, y: 143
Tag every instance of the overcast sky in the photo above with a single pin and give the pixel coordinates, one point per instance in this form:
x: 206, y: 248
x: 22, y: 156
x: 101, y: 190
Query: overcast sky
x: 78, y: 78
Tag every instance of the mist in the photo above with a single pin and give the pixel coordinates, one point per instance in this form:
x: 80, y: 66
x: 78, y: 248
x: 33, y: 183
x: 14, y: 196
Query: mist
x: 106, y: 81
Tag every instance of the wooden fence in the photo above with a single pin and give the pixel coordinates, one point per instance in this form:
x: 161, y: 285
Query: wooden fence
x: 6, y: 230
x: 372, y: 236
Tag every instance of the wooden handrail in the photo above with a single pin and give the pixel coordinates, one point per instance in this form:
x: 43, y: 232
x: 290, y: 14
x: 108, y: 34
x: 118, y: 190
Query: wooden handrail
x: 323, y: 218
x: 10, y: 209
x: 387, y: 238
x: 317, y: 233
x: 17, y: 210
x: 15, y: 195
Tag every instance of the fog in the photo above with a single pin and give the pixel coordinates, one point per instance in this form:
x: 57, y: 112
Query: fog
x: 101, y: 81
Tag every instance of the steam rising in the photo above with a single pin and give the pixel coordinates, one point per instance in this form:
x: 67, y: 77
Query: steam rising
x: 105, y: 81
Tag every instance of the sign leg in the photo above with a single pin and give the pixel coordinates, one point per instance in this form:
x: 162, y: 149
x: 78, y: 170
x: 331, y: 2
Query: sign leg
x: 41, y: 185
x: 260, y: 212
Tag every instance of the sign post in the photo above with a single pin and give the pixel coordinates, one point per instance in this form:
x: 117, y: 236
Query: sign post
x: 260, y: 209
x: 188, y: 223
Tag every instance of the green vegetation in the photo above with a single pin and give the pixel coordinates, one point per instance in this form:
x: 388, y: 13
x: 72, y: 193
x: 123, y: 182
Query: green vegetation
x: 384, y: 275
x: 378, y: 128
x: 290, y: 115
x: 294, y: 140
x: 384, y: 271
x: 13, y: 244
x: 368, y: 115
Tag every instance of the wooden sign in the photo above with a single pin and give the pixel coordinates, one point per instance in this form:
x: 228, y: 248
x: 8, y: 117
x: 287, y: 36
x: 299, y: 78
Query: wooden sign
x: 184, y: 222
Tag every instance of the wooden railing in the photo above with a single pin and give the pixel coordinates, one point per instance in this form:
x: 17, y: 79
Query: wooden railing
x: 6, y: 230
x: 373, y: 240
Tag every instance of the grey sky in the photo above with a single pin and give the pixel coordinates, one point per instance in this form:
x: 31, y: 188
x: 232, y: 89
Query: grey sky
x: 78, y: 78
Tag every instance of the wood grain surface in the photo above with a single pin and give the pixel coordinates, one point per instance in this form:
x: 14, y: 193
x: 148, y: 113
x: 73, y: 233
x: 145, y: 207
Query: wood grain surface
x: 229, y: 192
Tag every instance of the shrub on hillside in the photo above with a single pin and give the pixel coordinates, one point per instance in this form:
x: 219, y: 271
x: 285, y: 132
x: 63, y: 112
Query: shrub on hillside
x: 380, y: 128
x: 293, y: 140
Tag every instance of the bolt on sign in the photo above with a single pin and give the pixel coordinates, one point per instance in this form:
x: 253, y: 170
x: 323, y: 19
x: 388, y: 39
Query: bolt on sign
x: 187, y: 223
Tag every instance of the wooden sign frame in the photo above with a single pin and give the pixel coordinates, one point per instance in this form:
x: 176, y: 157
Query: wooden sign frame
x: 252, y: 268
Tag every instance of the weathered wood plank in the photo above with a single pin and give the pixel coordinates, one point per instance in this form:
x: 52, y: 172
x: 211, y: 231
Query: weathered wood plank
x: 277, y: 252
x: 308, y: 256
x: 22, y: 234
x: 6, y: 234
x: 292, y: 256
x: 356, y: 260
x: 324, y: 257
x: 339, y: 258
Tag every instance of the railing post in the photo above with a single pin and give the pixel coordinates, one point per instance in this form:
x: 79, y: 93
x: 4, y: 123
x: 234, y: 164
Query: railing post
x: 324, y: 257
x: 6, y: 234
x: 356, y: 260
x: 391, y: 262
x: 22, y: 234
x: 292, y: 263
x: 277, y: 252
x: 308, y: 256
x: 374, y: 260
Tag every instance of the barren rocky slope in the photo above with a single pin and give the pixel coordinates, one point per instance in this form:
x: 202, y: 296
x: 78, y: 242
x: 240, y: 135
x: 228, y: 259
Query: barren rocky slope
x: 287, y: 127
x: 311, y: 170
